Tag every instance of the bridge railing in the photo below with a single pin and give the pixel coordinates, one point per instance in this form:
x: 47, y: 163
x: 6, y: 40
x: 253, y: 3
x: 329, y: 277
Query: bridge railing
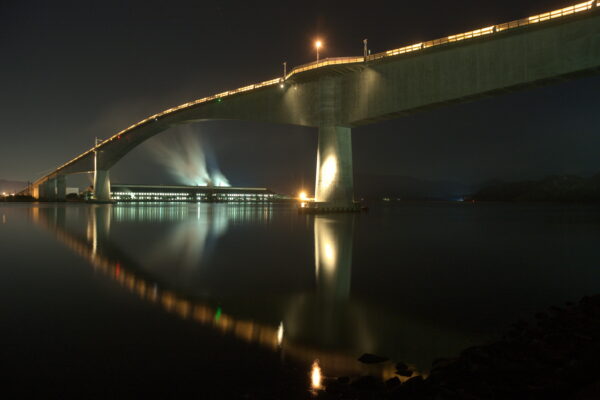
x: 325, y: 62
x: 488, y: 30
x: 155, y: 117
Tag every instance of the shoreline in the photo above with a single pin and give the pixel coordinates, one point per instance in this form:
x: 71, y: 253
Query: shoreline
x: 555, y: 357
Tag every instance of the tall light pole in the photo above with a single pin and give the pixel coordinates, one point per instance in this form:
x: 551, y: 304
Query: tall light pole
x: 318, y: 45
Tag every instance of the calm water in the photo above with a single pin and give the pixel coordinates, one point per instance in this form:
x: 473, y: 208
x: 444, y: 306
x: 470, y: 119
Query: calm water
x: 241, y: 300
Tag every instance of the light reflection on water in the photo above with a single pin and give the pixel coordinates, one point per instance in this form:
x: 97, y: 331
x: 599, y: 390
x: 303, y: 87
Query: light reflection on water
x: 413, y: 282
x: 316, y: 378
x: 311, y: 322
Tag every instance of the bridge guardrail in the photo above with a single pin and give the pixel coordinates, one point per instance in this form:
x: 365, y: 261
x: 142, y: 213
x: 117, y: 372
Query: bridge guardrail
x: 563, y: 12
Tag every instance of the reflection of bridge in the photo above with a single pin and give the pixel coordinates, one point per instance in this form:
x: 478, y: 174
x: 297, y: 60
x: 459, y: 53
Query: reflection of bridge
x: 324, y: 323
x: 338, y: 94
x: 93, y: 245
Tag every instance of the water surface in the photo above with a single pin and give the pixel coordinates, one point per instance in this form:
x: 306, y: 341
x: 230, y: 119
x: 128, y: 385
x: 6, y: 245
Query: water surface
x: 242, y: 299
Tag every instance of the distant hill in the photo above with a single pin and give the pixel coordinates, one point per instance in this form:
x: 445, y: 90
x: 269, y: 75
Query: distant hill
x: 372, y: 186
x: 11, y: 186
x: 561, y: 188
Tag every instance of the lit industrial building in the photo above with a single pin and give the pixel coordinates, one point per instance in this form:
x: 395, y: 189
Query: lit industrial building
x: 121, y: 192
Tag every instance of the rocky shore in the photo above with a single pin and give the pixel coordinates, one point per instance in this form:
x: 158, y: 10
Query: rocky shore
x: 555, y: 357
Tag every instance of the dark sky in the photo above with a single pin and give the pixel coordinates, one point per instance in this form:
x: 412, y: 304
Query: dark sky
x: 74, y: 70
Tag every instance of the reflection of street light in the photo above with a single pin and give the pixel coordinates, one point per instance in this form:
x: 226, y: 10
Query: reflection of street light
x: 318, y: 45
x: 315, y: 376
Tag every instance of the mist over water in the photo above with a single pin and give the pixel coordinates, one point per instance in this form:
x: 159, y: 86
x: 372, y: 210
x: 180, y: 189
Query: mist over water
x: 188, y: 158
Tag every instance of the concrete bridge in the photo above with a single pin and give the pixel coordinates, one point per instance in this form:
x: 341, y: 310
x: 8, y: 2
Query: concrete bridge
x: 337, y: 94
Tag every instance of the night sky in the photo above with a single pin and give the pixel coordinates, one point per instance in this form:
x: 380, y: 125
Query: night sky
x: 74, y: 70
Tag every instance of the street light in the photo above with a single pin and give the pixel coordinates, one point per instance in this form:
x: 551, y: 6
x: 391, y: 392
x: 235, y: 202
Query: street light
x: 318, y: 45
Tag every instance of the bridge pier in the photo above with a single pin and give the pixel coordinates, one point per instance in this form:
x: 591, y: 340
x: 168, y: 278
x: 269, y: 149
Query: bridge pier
x: 61, y: 188
x: 334, y: 183
x: 47, y: 190
x: 41, y: 191
x: 51, y: 194
x: 35, y: 191
x: 101, y: 185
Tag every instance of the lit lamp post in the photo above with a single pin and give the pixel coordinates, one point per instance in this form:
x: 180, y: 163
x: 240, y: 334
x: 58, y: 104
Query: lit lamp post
x: 318, y: 45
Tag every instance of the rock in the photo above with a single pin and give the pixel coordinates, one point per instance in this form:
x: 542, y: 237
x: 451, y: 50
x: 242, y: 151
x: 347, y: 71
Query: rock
x: 403, y: 370
x: 392, y: 383
x: 413, y: 385
x: 401, y: 366
x: 556, y: 357
x: 372, y: 359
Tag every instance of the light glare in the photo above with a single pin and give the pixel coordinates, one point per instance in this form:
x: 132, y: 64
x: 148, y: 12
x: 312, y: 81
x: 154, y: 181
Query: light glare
x: 329, y: 171
x: 280, y: 333
x: 315, y: 376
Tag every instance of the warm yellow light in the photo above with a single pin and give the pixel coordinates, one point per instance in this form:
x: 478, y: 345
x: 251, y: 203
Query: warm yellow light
x: 280, y: 333
x: 329, y: 254
x: 315, y: 376
x: 302, y: 196
x: 328, y: 171
x: 318, y: 44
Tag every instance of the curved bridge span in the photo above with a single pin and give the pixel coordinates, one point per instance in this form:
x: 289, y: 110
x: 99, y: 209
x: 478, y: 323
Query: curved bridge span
x: 337, y: 94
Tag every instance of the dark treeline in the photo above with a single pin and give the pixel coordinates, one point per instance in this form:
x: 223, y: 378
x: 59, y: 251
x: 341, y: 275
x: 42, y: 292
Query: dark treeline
x: 16, y: 198
x: 560, y: 188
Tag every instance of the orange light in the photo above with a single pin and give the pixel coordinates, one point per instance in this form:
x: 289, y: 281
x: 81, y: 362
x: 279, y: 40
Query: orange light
x: 302, y: 196
x: 315, y: 376
x: 318, y: 44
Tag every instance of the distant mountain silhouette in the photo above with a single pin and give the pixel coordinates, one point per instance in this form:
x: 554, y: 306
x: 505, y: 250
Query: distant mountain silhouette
x: 373, y: 186
x: 11, y: 186
x: 563, y: 188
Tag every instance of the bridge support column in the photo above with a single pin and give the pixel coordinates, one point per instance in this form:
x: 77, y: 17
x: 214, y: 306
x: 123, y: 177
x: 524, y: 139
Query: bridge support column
x: 334, y: 183
x: 61, y: 188
x: 102, y: 185
x: 42, y: 191
x: 47, y: 190
x: 51, y: 193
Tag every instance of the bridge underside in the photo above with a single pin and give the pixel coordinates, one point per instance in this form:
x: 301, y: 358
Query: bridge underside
x: 334, y: 99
